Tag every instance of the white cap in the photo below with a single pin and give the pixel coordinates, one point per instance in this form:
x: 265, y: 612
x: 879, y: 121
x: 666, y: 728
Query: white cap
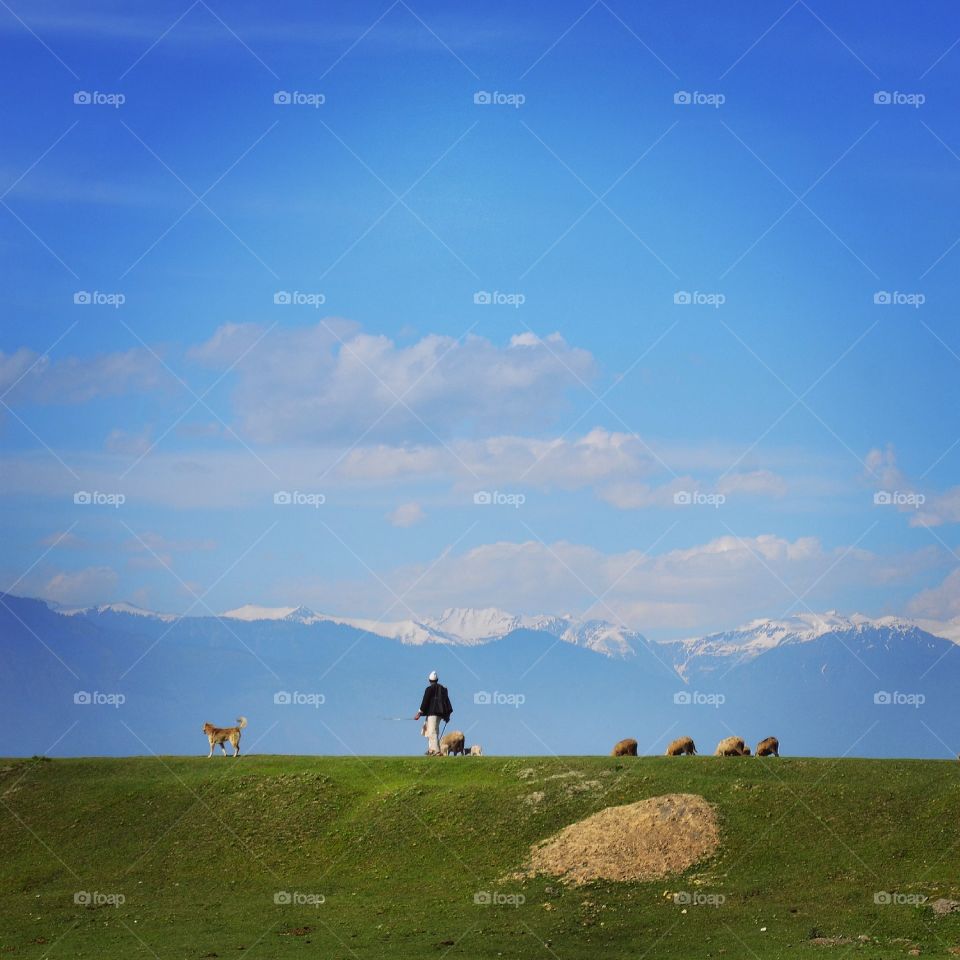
x: 433, y: 675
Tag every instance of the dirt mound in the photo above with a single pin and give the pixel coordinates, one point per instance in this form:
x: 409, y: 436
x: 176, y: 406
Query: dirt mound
x: 639, y: 841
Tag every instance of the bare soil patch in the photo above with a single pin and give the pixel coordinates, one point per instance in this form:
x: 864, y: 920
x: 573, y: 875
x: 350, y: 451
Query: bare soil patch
x: 638, y: 841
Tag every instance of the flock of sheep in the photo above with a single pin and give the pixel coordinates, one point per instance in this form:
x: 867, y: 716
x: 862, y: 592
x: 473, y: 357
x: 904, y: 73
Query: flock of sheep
x: 455, y: 743
x: 728, y: 747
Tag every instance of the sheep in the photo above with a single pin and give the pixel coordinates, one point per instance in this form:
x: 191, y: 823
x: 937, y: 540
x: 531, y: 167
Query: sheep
x: 452, y: 742
x: 680, y: 746
x: 768, y: 747
x: 625, y: 748
x: 732, y: 747
x: 475, y: 751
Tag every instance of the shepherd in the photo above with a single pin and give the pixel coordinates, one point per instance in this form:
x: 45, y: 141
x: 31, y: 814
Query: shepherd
x: 435, y: 707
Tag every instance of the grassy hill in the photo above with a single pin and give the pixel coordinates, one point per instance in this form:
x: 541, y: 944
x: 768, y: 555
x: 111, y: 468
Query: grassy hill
x: 401, y: 850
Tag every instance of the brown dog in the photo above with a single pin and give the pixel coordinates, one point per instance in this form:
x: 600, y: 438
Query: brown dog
x: 218, y: 736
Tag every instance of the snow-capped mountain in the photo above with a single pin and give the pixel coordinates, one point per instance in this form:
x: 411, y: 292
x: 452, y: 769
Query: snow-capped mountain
x: 251, y: 612
x: 464, y: 626
x: 456, y: 626
x: 119, y: 607
x: 752, y: 640
x: 470, y: 627
x: 826, y: 684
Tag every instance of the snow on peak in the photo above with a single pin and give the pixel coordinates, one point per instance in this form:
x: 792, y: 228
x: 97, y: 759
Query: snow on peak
x: 758, y: 636
x: 250, y: 611
x: 468, y: 624
x: 455, y: 626
x: 463, y: 626
x: 120, y: 607
x: 603, y: 637
x: 472, y: 626
x: 302, y: 614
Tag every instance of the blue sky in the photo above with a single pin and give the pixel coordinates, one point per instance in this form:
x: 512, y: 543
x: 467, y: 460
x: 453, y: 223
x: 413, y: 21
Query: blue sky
x: 784, y: 201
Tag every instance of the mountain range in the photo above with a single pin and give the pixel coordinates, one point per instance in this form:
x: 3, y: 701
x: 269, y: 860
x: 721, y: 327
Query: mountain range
x: 117, y: 679
x: 464, y: 626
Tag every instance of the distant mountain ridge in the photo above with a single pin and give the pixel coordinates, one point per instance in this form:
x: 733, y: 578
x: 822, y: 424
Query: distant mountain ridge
x: 824, y: 683
x: 459, y: 626
x: 752, y: 640
x: 469, y: 626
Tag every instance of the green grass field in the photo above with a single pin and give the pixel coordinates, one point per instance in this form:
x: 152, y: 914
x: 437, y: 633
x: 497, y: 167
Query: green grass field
x: 386, y: 857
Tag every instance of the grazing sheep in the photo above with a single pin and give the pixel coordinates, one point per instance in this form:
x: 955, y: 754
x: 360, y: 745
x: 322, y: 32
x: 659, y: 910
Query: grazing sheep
x: 625, y: 748
x: 475, y: 751
x: 770, y: 747
x: 452, y: 742
x: 732, y: 747
x: 680, y: 746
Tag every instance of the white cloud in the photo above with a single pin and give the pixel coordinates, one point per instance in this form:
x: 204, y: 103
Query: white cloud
x: 634, y: 495
x: 151, y: 549
x: 881, y: 468
x: 13, y: 366
x: 88, y: 586
x: 63, y: 539
x: 407, y: 515
x: 707, y: 586
x: 938, y: 509
x: 34, y: 378
x: 938, y: 603
x: 926, y: 508
x: 637, y: 495
x: 617, y: 467
x: 557, y: 463
x: 331, y: 382
x: 756, y: 483
x: 126, y: 442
